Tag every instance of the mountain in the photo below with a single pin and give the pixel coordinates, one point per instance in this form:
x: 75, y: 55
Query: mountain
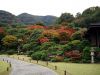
x: 7, y: 18
x: 32, y: 19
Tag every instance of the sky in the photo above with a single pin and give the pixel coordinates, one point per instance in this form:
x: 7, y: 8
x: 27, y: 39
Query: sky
x: 47, y: 7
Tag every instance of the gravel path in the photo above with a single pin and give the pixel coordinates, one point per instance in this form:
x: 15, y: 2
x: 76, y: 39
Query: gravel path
x: 24, y: 68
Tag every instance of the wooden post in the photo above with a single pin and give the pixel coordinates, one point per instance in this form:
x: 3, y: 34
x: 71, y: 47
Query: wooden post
x: 37, y: 60
x: 47, y: 63
x: 23, y: 59
x: 7, y: 61
x: 7, y: 68
x: 65, y: 72
x: 55, y: 67
x: 18, y: 57
x: 30, y: 60
x: 10, y: 64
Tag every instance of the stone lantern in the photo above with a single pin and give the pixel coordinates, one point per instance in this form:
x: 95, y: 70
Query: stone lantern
x: 92, y: 55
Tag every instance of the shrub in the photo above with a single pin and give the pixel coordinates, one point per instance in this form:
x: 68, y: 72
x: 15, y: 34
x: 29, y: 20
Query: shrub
x: 39, y: 55
x: 86, y: 61
x: 67, y: 47
x: 97, y: 49
x: 27, y: 47
x: 10, y: 52
x: 59, y: 52
x: 59, y: 58
x: 53, y: 60
x: 46, y: 45
x: 67, y: 59
x: 9, y: 41
x: 56, y: 58
x: 86, y: 53
x: 43, y: 40
x: 29, y: 53
x: 74, y: 45
x: 35, y: 34
x: 36, y: 55
x: 74, y: 55
x: 83, y: 43
x: 75, y: 42
x: 76, y: 36
x: 98, y: 56
x: 44, y: 56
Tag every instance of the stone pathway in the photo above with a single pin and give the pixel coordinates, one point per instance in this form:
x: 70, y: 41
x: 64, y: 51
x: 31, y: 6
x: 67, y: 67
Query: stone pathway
x: 24, y: 68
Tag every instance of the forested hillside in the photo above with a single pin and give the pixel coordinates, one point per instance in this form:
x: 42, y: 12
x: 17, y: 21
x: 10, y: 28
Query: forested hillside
x: 7, y: 18
x: 32, y: 19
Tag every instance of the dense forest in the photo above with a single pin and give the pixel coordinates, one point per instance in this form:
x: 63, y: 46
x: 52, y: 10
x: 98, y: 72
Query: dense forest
x: 49, y: 38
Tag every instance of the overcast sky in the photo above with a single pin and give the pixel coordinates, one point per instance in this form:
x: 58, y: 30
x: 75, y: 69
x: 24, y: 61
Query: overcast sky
x: 46, y: 7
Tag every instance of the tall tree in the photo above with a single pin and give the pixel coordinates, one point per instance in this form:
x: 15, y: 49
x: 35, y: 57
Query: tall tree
x: 90, y: 15
x: 65, y: 18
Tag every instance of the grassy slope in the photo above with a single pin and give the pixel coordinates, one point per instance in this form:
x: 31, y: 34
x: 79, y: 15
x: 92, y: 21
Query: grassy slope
x: 79, y: 69
x: 3, y: 68
x: 73, y: 68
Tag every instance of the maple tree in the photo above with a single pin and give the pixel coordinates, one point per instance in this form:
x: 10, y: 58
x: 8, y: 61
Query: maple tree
x: 42, y: 40
x: 74, y: 55
x: 9, y: 40
x: 30, y: 27
x: 1, y: 30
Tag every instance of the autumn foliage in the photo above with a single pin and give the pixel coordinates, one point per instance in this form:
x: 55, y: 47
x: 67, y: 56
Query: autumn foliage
x: 1, y: 30
x: 56, y: 32
x: 67, y: 30
x: 42, y: 40
x: 50, y: 33
x: 73, y: 54
x: 35, y: 27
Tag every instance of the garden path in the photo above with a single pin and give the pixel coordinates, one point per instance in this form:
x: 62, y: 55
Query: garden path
x: 24, y: 68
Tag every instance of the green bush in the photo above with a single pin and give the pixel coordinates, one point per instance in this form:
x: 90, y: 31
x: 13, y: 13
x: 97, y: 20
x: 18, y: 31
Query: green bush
x: 67, y: 47
x: 44, y: 56
x: 75, y: 42
x: 29, y: 53
x: 76, y: 36
x: 46, y: 45
x: 86, y: 61
x: 27, y: 47
x: 73, y: 45
x: 67, y: 59
x: 86, y: 53
x: 97, y: 49
x: 83, y: 43
x: 39, y: 55
x: 53, y: 60
x: 59, y: 52
x: 10, y: 52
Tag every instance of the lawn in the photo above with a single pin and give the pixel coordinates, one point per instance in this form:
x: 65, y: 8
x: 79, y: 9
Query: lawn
x: 79, y: 69
x: 3, y: 68
x: 72, y: 68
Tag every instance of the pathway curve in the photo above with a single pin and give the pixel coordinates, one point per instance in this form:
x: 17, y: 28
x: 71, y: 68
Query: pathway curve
x: 24, y: 68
